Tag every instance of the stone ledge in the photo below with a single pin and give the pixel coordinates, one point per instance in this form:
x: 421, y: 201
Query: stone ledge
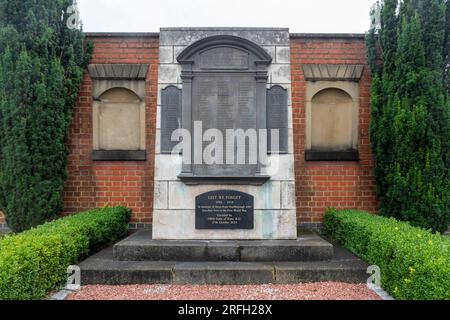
x: 352, y: 155
x: 118, y: 71
x: 119, y: 155
x: 189, y: 179
x: 333, y: 72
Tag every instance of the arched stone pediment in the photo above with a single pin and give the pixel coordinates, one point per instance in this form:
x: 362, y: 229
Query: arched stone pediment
x: 224, y: 52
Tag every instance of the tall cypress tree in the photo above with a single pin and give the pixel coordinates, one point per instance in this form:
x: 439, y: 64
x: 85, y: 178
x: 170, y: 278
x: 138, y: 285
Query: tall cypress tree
x: 41, y: 67
x: 410, y: 127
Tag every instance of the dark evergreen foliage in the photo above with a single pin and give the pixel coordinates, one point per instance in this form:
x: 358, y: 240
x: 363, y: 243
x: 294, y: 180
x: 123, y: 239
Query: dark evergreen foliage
x: 410, y: 127
x: 41, y: 68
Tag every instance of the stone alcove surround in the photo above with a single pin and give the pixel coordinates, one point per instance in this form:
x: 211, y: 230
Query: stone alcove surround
x: 118, y: 112
x: 332, y: 112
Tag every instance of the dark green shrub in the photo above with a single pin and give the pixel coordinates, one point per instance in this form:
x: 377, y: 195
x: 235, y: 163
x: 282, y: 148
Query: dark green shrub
x: 35, y: 261
x: 410, y: 121
x: 41, y: 68
x: 414, y: 263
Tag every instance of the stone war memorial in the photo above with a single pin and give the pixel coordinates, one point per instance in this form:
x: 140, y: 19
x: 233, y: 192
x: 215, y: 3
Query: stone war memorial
x: 228, y: 145
x: 221, y: 83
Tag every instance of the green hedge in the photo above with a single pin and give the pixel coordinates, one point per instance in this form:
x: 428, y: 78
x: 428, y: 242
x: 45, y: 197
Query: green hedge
x: 414, y: 263
x: 35, y: 261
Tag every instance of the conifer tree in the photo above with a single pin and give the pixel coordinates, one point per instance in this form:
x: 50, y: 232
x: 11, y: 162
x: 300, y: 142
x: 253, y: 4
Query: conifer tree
x: 410, y: 126
x: 41, y: 67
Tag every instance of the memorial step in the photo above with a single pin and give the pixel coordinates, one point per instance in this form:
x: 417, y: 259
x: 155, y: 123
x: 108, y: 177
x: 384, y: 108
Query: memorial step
x: 102, y: 269
x: 140, y: 247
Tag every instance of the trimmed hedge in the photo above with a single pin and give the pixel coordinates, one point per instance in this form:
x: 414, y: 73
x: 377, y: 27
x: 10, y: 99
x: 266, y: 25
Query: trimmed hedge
x: 414, y: 263
x: 34, y: 262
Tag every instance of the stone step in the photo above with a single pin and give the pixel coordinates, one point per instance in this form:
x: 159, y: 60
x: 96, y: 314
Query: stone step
x: 103, y: 269
x: 140, y: 247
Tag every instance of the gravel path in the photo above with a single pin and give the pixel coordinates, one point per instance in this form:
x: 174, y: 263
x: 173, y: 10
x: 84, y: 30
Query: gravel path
x: 309, y: 291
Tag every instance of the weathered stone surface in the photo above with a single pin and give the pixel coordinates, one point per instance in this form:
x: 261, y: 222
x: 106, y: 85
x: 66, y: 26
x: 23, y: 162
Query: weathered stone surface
x: 182, y: 197
x: 118, y: 71
x: 283, y: 55
x: 158, y: 117
x: 166, y: 54
x: 118, y: 121
x: 271, y: 51
x: 167, y: 167
x: 281, y: 167
x: 100, y: 86
x: 158, y: 142
x: 176, y: 51
x: 288, y: 195
x: 141, y: 247
x: 280, y: 73
x: 103, y: 269
x: 231, y: 273
x: 332, y: 72
x: 169, y: 73
x: 161, y: 195
x: 343, y: 94
x: 187, y: 36
x: 180, y: 224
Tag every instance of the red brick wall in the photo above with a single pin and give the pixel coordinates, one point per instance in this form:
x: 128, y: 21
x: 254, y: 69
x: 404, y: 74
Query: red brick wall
x: 96, y: 184
x: 319, y: 185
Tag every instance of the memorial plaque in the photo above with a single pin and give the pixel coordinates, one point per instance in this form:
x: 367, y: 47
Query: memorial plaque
x: 226, y: 102
x: 224, y: 87
x: 170, y: 117
x: 224, y: 209
x: 277, y: 117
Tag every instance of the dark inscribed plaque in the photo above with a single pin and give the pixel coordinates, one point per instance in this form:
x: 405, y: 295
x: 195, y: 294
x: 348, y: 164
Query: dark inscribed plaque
x: 223, y: 101
x: 224, y: 209
x: 277, y: 117
x: 224, y: 58
x: 170, y: 117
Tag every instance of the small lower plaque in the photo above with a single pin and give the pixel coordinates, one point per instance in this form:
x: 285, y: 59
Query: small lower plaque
x: 224, y: 209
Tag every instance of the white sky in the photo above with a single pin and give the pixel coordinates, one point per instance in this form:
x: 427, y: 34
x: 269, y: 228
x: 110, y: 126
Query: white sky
x: 315, y: 16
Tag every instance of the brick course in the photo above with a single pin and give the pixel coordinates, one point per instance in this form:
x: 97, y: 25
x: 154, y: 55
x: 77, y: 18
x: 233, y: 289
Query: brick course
x: 320, y: 185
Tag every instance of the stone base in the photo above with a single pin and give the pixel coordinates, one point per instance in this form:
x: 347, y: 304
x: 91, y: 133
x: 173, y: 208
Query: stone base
x: 104, y: 269
x: 268, y: 225
x: 140, y: 247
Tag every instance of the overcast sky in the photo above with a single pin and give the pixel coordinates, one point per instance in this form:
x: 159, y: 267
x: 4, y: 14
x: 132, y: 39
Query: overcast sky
x: 321, y: 16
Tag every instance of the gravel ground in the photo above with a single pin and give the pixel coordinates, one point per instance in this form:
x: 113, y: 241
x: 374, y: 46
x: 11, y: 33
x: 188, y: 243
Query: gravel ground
x: 309, y: 291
